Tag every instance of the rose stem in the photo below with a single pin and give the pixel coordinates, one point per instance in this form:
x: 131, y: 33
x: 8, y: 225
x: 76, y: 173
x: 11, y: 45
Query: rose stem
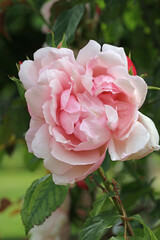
x: 116, y: 201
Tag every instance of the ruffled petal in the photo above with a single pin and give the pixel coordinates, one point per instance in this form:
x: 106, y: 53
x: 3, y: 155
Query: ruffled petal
x: 73, y: 157
x: 36, y: 97
x: 124, y: 150
x: 119, y: 50
x: 154, y: 136
x: 41, y: 149
x: 91, y: 50
x: 28, y: 74
x: 35, y: 124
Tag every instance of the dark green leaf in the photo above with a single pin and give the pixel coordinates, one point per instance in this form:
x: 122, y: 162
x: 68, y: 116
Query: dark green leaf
x: 148, y: 234
x: 95, y: 227
x: 63, y: 42
x: 67, y: 23
x: 123, y: 238
x: 50, y: 39
x: 42, y: 198
x: 98, y: 204
x: 31, y: 161
x: 117, y: 238
x: 106, y: 163
x: 20, y: 87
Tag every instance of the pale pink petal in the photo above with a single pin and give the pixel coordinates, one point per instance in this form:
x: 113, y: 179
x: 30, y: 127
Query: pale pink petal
x: 110, y: 58
x: 64, y: 65
x: 72, y: 157
x: 58, y: 77
x: 91, y: 50
x: 77, y: 83
x: 36, y: 97
x: 47, y: 114
x: 65, y: 98
x: 112, y: 117
x: 77, y: 173
x: 95, y: 128
x: 71, y: 176
x: 126, y: 86
x: 43, y: 78
x: 41, y: 149
x: 87, y: 82
x: 28, y: 74
x: 66, y: 122
x: 68, y: 141
x: 140, y: 89
x: 72, y: 106
x: 45, y: 57
x: 124, y: 150
x: 34, y: 125
x: 118, y: 72
x: 119, y: 50
x: 55, y: 109
x: 150, y: 126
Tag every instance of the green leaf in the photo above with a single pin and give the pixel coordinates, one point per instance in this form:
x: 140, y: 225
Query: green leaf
x: 123, y: 238
x: 106, y: 163
x: 98, y: 204
x: 50, y: 39
x: 67, y: 23
x: 95, y: 227
x: 42, y: 198
x: 20, y: 87
x: 31, y: 161
x: 148, y: 234
x: 117, y: 238
x: 63, y: 42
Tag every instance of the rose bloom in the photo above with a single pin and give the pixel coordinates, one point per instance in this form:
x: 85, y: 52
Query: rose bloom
x: 56, y: 227
x: 80, y: 108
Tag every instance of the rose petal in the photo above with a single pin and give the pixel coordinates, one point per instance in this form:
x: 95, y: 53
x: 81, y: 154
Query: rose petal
x: 36, y: 97
x: 28, y: 74
x: 41, y: 149
x: 150, y: 126
x: 35, y: 124
x: 119, y: 50
x: 72, y: 157
x: 124, y: 150
x: 112, y: 117
x: 91, y: 50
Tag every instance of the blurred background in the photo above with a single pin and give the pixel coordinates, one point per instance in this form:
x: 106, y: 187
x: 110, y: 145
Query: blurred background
x: 24, y: 27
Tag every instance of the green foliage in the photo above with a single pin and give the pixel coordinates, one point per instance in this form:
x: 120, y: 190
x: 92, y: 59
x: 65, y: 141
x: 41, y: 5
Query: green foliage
x: 95, y: 227
x: 50, y: 39
x: 42, y: 198
x: 106, y: 163
x: 31, y: 161
x: 148, y: 234
x: 20, y: 87
x: 67, y: 23
x: 99, y: 204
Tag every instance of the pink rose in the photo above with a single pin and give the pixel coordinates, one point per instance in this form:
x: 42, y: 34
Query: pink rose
x: 80, y: 108
x: 55, y: 227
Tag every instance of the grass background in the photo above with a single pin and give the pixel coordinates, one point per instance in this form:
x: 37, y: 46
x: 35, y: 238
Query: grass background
x: 14, y: 180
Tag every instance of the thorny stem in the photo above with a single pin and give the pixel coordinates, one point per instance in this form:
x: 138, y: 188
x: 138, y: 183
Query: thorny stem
x: 117, y: 202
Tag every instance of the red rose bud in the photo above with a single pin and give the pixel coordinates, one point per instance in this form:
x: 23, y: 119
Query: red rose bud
x: 82, y: 184
x: 59, y: 45
x: 20, y: 62
x: 131, y: 67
